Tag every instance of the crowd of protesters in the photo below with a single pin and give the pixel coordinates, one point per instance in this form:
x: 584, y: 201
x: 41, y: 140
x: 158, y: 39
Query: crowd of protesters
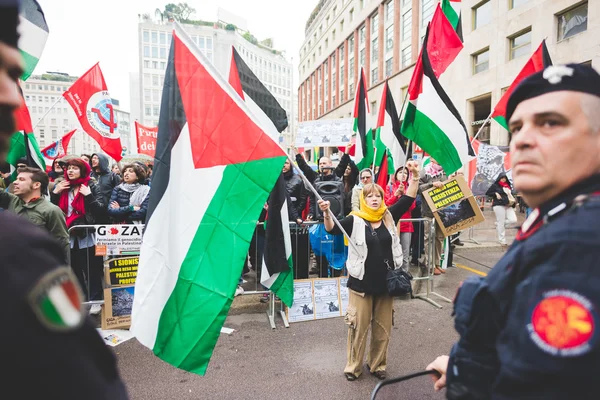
x: 78, y: 191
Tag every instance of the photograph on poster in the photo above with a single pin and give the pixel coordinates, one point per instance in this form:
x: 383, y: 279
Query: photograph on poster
x: 327, y: 303
x: 122, y: 301
x: 456, y: 212
x: 303, y: 307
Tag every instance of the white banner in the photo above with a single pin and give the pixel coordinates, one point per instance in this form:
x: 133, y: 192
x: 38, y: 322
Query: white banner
x: 325, y: 133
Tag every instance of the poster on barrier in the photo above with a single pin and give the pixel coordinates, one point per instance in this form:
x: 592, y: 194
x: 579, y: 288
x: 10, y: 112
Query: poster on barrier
x: 325, y: 132
x: 304, y: 302
x: 121, y: 271
x: 116, y: 311
x: 114, y: 240
x: 327, y: 298
x: 454, y: 206
x: 344, y: 295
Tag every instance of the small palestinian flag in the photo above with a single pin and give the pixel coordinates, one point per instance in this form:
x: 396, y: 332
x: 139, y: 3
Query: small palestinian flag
x: 364, y: 151
x: 23, y: 143
x: 56, y: 300
x: 538, y: 61
x: 34, y: 33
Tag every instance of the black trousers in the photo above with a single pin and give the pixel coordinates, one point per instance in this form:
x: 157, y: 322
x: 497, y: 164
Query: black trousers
x: 89, y: 270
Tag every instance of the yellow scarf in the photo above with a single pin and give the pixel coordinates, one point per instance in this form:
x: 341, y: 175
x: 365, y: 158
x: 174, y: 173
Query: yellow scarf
x: 369, y: 214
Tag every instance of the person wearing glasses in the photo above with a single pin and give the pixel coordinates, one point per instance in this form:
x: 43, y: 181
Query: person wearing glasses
x: 366, y: 177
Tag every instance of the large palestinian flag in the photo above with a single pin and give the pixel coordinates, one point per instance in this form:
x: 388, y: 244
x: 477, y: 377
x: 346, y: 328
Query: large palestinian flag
x: 215, y: 166
x: 34, y: 33
x: 277, y: 267
x: 23, y: 143
x: 261, y: 102
x: 432, y: 121
x: 538, y: 61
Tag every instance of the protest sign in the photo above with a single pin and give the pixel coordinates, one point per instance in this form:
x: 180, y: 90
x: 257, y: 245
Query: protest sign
x: 304, y: 302
x: 326, y: 133
x: 454, y: 206
x: 121, y: 271
x: 146, y: 139
x: 116, y: 311
x: 318, y: 298
x: 118, y: 239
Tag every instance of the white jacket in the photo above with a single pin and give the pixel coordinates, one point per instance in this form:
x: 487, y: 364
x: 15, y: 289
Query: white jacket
x: 356, y: 258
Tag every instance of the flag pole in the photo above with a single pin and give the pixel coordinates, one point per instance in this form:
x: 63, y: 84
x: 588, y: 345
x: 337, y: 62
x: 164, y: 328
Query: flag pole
x: 482, y: 126
x: 318, y: 196
x: 47, y: 112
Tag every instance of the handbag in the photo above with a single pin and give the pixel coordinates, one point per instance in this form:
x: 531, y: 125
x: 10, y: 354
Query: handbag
x: 397, y: 280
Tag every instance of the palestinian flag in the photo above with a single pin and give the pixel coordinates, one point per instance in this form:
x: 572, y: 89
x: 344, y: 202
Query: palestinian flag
x: 388, y: 126
x: 197, y: 235
x: 451, y: 9
x: 383, y: 174
x: 381, y: 150
x: 261, y: 102
x: 34, y: 33
x: 23, y: 143
x: 363, y: 153
x: 277, y: 267
x: 442, y: 45
x: 538, y: 61
x: 432, y: 121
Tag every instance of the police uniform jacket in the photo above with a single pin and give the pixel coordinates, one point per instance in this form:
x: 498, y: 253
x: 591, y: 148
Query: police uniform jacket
x: 531, y: 328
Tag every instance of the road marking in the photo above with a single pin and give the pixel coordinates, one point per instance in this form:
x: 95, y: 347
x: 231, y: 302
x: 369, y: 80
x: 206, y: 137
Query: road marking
x: 475, y: 271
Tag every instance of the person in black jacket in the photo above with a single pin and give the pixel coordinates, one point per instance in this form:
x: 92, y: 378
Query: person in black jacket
x: 129, y: 201
x: 503, y: 204
x: 106, y: 180
x: 295, y: 188
x: 80, y: 199
x: 40, y: 351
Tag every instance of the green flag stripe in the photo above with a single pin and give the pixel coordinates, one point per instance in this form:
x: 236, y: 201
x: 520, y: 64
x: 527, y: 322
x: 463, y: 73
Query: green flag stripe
x: 50, y: 312
x: 192, y: 318
x: 422, y: 130
x: 501, y: 120
x: 30, y: 64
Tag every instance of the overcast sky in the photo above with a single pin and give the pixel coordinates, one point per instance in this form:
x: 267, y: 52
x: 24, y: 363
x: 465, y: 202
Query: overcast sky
x: 83, y: 32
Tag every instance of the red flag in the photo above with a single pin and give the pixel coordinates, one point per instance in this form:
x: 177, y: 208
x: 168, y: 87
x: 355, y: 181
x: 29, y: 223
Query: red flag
x: 443, y: 45
x: 146, y: 139
x: 58, y: 149
x: 92, y: 104
x: 383, y: 174
x: 538, y: 61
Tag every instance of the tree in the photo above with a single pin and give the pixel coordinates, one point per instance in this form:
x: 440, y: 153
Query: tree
x: 185, y: 11
x: 179, y: 12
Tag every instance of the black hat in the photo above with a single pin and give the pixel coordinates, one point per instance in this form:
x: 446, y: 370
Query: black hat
x: 9, y: 20
x: 555, y: 78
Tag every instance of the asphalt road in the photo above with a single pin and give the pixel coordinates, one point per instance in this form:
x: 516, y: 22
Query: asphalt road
x: 306, y: 360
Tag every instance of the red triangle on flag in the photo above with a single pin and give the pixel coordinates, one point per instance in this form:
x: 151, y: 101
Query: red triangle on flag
x: 221, y: 131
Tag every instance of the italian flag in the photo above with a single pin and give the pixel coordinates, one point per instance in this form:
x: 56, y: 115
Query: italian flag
x: 23, y: 143
x: 277, y: 267
x: 34, y: 33
x: 538, y: 61
x: 215, y: 166
x: 432, y: 121
x: 58, y: 303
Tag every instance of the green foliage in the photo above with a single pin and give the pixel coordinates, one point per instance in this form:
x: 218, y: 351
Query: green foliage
x: 230, y: 27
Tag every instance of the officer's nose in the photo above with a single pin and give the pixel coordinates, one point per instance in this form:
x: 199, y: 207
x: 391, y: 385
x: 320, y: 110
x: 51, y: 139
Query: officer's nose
x: 524, y: 138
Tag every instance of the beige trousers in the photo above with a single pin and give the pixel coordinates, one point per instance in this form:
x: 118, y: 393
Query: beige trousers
x: 366, y: 311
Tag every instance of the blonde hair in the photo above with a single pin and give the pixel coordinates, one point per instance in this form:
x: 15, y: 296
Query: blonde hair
x: 370, y: 188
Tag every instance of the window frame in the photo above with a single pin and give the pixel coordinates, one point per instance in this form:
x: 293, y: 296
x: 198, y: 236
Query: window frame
x: 511, y: 39
x: 474, y: 63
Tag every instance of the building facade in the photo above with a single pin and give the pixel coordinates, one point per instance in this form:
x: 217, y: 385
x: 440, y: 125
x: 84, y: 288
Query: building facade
x: 384, y: 37
x: 52, y: 117
x: 215, y: 40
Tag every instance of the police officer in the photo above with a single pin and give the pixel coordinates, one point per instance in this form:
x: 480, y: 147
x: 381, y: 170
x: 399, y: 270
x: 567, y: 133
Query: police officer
x: 49, y: 350
x: 531, y: 328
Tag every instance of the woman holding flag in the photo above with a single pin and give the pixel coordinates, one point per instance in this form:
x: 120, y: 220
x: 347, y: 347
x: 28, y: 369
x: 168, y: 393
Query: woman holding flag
x: 376, y: 249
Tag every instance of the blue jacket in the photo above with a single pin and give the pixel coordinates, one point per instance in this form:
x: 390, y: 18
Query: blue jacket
x: 124, y: 213
x: 531, y: 328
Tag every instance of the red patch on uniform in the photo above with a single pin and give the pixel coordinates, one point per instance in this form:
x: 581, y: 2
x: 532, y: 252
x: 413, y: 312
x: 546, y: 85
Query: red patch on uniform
x: 563, y: 321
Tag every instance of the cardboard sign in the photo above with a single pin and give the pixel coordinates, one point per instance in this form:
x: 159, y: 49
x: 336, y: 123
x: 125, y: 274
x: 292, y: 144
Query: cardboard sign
x: 118, y: 239
x: 121, y: 271
x: 116, y: 311
x: 454, y: 206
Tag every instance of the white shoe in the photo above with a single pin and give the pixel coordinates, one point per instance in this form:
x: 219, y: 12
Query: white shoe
x: 95, y: 309
x: 239, y: 290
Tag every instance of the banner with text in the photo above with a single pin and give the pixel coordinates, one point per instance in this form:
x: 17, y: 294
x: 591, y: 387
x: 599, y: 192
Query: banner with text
x: 118, y: 239
x: 146, y: 139
x: 325, y: 133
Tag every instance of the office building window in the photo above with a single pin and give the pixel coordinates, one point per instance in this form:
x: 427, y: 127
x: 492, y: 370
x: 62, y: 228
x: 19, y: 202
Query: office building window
x: 42, y: 133
x: 154, y: 52
x: 146, y: 51
x: 163, y: 53
x: 155, y: 111
x: 572, y: 22
x: 361, y: 61
x: 351, y: 45
x: 53, y: 121
x: 65, y: 122
x: 482, y: 14
x: 163, y: 38
x: 389, y: 10
x: 374, y: 75
x: 362, y: 35
x: 516, y: 3
x: 351, y: 15
x: 54, y: 134
x: 481, y: 61
x: 375, y: 24
x: 146, y: 35
x: 155, y: 95
x: 374, y: 49
x: 389, y: 65
x: 520, y: 44
x: 146, y: 64
x: 341, y: 54
x: 427, y: 8
x: 350, y: 70
x: 389, y: 38
x: 154, y: 37
x: 154, y: 80
x: 407, y: 25
x: 155, y: 64
x: 406, y: 56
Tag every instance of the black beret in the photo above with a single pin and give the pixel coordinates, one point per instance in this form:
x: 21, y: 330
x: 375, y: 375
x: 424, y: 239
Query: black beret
x: 555, y: 78
x: 9, y: 20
